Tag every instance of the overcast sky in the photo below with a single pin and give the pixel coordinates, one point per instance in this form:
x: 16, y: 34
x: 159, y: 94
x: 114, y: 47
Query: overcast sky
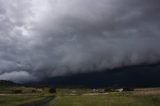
x: 47, y: 38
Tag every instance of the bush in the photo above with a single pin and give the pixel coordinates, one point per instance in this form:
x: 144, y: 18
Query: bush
x: 17, y: 91
x: 34, y: 91
x: 52, y: 90
x: 128, y: 89
x: 108, y: 90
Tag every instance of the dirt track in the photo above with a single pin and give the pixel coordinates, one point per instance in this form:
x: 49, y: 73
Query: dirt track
x: 43, y: 102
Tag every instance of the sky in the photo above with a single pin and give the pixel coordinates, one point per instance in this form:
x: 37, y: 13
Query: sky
x: 48, y: 38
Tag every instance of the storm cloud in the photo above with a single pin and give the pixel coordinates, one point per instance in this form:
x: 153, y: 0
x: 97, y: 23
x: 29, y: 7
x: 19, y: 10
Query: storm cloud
x: 47, y: 38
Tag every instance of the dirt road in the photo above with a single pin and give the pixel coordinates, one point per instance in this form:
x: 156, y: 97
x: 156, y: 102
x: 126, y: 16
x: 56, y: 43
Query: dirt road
x: 43, y: 102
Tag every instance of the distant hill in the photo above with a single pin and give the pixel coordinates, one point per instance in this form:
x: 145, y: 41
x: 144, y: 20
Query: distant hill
x: 131, y: 76
x: 8, y: 83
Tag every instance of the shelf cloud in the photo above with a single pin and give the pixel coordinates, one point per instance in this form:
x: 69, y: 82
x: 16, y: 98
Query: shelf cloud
x: 47, y: 38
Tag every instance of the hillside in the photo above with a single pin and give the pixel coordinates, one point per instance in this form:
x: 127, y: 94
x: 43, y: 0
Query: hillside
x: 8, y: 83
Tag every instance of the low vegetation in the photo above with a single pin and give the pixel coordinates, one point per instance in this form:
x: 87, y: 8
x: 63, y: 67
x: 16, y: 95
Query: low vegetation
x: 88, y: 98
x: 15, y: 95
x: 12, y: 94
x: 106, y: 100
x: 15, y: 100
x: 52, y: 90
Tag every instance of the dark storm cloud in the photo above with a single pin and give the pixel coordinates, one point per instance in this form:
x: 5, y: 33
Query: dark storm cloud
x: 56, y: 37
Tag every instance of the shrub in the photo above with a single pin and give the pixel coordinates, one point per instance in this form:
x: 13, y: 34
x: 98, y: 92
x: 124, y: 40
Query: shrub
x: 52, y: 90
x: 108, y: 89
x: 34, y: 91
x: 17, y: 91
x: 128, y: 89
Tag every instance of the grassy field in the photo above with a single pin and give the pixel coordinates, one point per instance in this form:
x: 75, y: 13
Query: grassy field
x: 14, y: 100
x: 85, y: 100
x: 9, y: 96
x: 80, y: 97
x: 106, y: 100
x: 139, y: 97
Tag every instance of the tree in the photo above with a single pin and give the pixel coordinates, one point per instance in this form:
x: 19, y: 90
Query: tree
x: 17, y: 91
x: 128, y: 89
x: 34, y: 91
x: 52, y: 90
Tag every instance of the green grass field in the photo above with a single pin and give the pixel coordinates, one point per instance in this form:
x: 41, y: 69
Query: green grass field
x: 81, y: 97
x: 106, y: 100
x: 14, y: 100
x: 8, y: 97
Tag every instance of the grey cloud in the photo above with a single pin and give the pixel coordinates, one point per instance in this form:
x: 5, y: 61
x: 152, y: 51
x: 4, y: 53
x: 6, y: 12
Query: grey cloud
x: 57, y: 37
x: 17, y: 76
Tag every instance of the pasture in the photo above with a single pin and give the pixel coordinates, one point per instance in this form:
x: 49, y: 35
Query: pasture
x: 139, y: 97
x: 78, y: 97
